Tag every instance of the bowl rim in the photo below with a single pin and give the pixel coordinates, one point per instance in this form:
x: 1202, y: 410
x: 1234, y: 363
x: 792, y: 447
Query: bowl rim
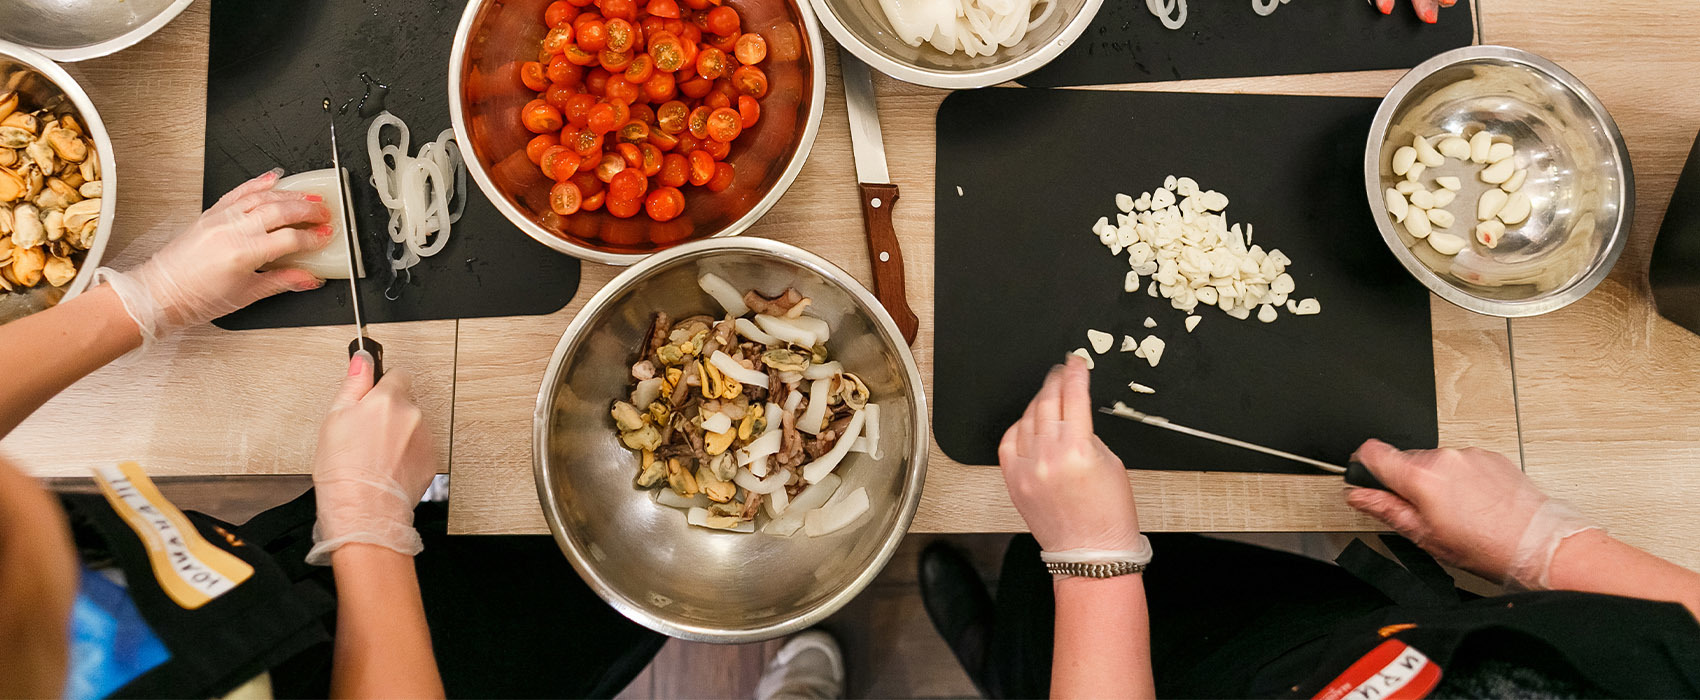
x: 1429, y: 278
x: 96, y: 127
x: 918, y: 449
x: 957, y: 80
x: 811, y: 128
x: 112, y: 45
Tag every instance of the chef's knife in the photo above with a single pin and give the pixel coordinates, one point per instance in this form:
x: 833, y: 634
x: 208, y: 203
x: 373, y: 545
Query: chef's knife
x: 360, y: 342
x: 1355, y: 472
x: 878, y: 193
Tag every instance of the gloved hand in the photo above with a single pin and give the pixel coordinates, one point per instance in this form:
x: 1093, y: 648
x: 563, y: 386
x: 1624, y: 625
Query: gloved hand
x: 1068, y: 486
x: 1470, y: 508
x: 374, y: 462
x: 209, y: 270
x: 1427, y: 10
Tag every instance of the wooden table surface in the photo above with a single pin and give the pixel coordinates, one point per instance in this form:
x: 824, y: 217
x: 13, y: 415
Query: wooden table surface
x: 1608, y: 415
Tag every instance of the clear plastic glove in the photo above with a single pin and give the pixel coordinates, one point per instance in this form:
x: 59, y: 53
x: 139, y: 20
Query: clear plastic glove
x: 210, y: 270
x: 1068, y: 486
x: 374, y: 462
x: 1470, y: 508
x: 1427, y: 10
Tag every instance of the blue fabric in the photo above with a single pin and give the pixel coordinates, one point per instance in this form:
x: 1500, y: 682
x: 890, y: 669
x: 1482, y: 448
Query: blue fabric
x: 111, y: 644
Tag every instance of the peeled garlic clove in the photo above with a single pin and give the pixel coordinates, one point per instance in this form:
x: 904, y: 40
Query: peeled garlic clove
x: 1500, y: 151
x: 1406, y: 186
x: 1489, y: 233
x: 1402, y: 160
x: 1516, y: 209
x: 1516, y: 181
x: 1491, y: 202
x: 1443, y: 198
x: 1418, y: 226
x: 1446, y: 243
x: 1449, y: 182
x: 1416, y: 172
x: 1426, y: 153
x: 1441, y: 218
x: 1422, y: 199
x: 1499, y: 172
x: 1396, y: 205
x: 1480, y: 145
x: 1455, y: 148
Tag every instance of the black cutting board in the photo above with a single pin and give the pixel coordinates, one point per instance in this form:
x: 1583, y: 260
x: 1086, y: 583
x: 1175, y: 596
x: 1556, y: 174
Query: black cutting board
x: 1225, y: 39
x: 1020, y: 277
x: 271, y: 65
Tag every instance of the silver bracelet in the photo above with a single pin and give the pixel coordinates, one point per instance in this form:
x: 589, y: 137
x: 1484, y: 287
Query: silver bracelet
x: 1094, y: 569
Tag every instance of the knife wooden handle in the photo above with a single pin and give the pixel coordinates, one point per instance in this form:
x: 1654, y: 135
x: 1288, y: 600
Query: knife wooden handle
x: 887, y: 256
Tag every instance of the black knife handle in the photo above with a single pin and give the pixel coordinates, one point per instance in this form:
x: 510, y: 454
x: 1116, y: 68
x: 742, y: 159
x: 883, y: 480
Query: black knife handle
x: 373, y: 349
x: 1359, y: 475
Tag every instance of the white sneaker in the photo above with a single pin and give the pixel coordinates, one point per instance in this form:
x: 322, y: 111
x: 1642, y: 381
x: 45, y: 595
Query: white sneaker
x: 809, y: 666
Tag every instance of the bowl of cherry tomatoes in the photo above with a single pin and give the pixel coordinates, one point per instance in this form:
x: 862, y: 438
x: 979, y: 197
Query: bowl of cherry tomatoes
x: 611, y: 129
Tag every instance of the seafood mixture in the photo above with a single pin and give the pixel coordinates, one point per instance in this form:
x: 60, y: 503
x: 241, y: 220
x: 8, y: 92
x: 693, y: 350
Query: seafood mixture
x: 748, y: 414
x: 50, y: 193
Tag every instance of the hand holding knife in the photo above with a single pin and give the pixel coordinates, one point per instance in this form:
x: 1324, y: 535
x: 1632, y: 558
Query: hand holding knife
x: 1355, y: 472
x: 360, y: 342
x: 878, y: 193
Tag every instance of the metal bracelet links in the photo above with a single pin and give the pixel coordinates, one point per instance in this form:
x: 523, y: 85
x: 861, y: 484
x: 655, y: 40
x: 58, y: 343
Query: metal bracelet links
x: 1093, y: 570
x: 1098, y: 563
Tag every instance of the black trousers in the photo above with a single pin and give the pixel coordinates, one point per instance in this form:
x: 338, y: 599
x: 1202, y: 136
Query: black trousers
x: 509, y: 617
x: 1212, y: 603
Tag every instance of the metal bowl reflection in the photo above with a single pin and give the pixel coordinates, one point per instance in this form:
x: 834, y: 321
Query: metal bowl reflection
x: 486, y: 96
x: 76, y: 30
x: 1579, y: 179
x: 642, y: 557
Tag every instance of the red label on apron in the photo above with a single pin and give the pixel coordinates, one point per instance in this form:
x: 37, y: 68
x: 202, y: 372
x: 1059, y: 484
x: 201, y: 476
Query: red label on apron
x: 1392, y: 671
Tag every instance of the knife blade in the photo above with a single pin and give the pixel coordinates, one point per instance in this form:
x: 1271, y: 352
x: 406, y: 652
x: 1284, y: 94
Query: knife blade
x: 1355, y: 472
x: 878, y: 193
x: 343, y: 197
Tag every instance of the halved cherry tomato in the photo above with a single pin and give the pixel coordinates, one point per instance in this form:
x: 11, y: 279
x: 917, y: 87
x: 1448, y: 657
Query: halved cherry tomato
x: 699, y: 4
x: 559, y: 163
x: 596, y: 81
x: 690, y: 38
x: 625, y: 208
x: 712, y: 63
x: 625, y: 9
x: 578, y: 56
x: 724, y: 124
x: 695, y: 87
x: 621, y: 90
x: 698, y: 122
x: 622, y: 112
x: 558, y: 39
x: 702, y: 167
x: 728, y: 43
x: 614, y: 61
x: 538, y: 144
x: 718, y: 149
x: 717, y: 99
x: 559, y: 12
x: 587, y: 182
x: 664, y: 204
x: 650, y: 162
x: 750, y: 49
x: 643, y: 113
x: 560, y: 96
x: 651, y: 25
x: 660, y: 87
x: 531, y: 73
x: 580, y: 3
x: 578, y: 109
x: 634, y: 132
x: 663, y: 140
x: 562, y: 71
x: 609, y: 166
x: 663, y: 8
x: 565, y: 199
x: 592, y: 35
x: 750, y: 80
x: 593, y: 202
x: 620, y: 35
x: 688, y: 143
x: 630, y: 153
x: 668, y: 52
x: 628, y: 184
x: 675, y: 171
x: 750, y: 111
x: 723, y: 174
x: 582, y: 141
x: 603, y: 119
x: 541, y: 117
x: 722, y: 20
x: 640, y: 70
x: 671, y: 116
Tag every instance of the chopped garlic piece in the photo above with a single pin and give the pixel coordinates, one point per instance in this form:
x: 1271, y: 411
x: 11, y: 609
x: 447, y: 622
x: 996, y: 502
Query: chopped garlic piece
x: 1131, y: 283
x: 1192, y: 322
x: 1141, y: 388
x: 1129, y: 344
x: 1152, y: 290
x: 1150, y: 322
x: 1100, y: 341
x: 1266, y: 313
x: 1085, y: 356
x: 959, y: 190
x: 1124, y: 203
x: 1151, y: 348
x: 1307, y: 307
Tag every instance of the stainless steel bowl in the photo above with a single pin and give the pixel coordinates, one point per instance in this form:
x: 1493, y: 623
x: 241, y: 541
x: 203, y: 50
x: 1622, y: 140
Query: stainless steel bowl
x: 42, y: 84
x: 486, y: 96
x: 861, y: 27
x: 76, y: 30
x: 1579, y: 179
x: 641, y: 557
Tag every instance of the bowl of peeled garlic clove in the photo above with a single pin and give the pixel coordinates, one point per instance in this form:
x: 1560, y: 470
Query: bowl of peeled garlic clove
x: 1499, y: 181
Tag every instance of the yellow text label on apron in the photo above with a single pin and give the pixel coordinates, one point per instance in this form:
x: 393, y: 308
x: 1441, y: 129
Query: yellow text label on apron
x: 190, y: 570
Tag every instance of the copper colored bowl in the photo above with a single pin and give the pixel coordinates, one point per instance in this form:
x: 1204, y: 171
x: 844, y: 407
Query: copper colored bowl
x: 486, y: 96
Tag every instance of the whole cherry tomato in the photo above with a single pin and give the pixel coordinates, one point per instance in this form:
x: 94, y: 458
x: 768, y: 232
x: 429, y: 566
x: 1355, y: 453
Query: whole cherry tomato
x: 531, y: 73
x: 603, y: 118
x: 660, y: 87
x: 750, y: 49
x: 587, y: 182
x: 562, y: 71
x: 695, y: 87
x: 578, y: 109
x: 593, y: 36
x: 624, y: 9
x: 621, y: 90
x: 727, y: 44
x: 625, y: 208
x: 565, y: 199
x: 538, y: 144
x: 560, y: 97
x: 663, y: 8
x: 723, y: 174
x: 664, y: 204
x: 558, y: 13
x: 628, y: 184
x: 717, y: 99
x: 722, y: 20
x: 596, y: 81
x: 541, y: 117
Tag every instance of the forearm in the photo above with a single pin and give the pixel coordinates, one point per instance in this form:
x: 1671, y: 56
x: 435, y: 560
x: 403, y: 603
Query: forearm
x: 1102, y: 646
x: 1594, y: 562
x: 63, y: 344
x: 383, y: 646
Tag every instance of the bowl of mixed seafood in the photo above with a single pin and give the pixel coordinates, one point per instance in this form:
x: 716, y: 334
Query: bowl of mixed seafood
x: 55, y: 202
x: 730, y: 440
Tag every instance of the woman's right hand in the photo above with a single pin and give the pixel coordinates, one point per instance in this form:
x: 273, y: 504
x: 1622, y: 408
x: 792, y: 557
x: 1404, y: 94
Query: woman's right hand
x: 1068, y: 486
